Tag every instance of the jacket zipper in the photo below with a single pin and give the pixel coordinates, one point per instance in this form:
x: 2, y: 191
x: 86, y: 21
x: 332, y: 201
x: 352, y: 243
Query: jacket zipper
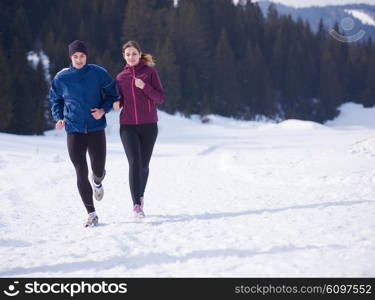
x: 149, y: 105
x: 135, y: 105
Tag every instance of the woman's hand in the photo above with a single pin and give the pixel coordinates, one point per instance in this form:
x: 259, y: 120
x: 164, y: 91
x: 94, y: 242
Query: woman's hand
x: 60, y: 124
x: 139, y: 83
x: 116, y: 105
x: 97, y: 113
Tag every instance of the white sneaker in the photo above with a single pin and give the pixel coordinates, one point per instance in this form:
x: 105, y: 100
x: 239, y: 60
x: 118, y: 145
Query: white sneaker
x: 98, y: 190
x: 93, y: 220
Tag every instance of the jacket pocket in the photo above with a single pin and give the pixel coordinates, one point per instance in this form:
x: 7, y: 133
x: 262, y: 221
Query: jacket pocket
x: 68, y: 108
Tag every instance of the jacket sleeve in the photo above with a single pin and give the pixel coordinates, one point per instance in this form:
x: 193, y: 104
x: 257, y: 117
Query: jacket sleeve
x: 120, y: 97
x: 154, y: 89
x: 110, y: 92
x: 56, y: 101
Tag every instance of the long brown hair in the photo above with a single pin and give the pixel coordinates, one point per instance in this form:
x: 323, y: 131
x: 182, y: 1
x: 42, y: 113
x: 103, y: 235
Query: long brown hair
x: 146, y: 57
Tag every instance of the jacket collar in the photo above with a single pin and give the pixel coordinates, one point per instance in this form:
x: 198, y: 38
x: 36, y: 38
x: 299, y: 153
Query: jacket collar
x: 82, y: 70
x: 137, y: 67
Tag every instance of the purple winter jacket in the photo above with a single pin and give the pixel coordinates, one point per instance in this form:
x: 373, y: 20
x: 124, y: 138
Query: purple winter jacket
x: 139, y: 105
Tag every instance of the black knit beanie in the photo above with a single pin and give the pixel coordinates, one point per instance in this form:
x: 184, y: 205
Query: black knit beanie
x: 77, y: 46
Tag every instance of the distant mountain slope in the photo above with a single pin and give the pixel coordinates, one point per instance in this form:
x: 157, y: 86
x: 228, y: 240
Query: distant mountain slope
x: 362, y: 16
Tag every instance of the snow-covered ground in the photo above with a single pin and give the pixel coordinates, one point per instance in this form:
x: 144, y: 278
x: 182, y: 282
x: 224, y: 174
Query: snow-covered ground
x: 224, y: 199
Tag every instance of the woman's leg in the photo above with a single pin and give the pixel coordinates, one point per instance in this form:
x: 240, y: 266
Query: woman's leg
x: 77, y: 147
x: 97, y: 151
x: 149, y: 133
x: 131, y: 142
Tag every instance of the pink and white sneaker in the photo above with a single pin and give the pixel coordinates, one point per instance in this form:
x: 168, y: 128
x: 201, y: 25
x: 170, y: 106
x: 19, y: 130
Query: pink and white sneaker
x: 138, y: 212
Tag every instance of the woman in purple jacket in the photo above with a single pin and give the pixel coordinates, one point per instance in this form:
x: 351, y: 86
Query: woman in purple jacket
x: 140, y: 91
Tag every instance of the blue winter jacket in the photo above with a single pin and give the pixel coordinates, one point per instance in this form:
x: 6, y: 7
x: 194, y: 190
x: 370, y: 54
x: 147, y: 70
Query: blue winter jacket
x: 74, y: 92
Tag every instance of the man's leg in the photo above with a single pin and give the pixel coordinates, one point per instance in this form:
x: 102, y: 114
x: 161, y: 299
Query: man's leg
x: 97, y: 151
x: 77, y: 147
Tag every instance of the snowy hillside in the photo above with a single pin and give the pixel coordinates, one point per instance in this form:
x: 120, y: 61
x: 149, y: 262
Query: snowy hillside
x: 363, y: 16
x: 228, y: 198
x: 307, y: 3
x: 350, y: 18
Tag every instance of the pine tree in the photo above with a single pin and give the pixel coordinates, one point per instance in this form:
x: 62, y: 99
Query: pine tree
x: 189, y: 83
x: 369, y: 91
x: 139, y: 24
x: 22, y: 121
x: 21, y: 27
x: 226, y: 86
x: 5, y: 92
x: 57, y: 51
x: 194, y: 49
x: 260, y: 97
x: 357, y: 72
x: 330, y: 88
x: 170, y: 76
x: 223, y: 15
x: 321, y: 37
x: 39, y: 101
x: 254, y: 27
x: 271, y: 29
x: 278, y: 60
x: 310, y: 65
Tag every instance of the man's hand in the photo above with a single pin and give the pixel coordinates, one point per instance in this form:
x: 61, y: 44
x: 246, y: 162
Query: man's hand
x: 97, y: 113
x: 60, y: 124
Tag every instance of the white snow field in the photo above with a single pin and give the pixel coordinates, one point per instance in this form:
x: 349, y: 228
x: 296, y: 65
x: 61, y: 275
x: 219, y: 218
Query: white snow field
x: 224, y: 199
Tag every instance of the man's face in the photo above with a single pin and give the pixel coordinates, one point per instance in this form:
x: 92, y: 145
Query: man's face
x: 78, y: 60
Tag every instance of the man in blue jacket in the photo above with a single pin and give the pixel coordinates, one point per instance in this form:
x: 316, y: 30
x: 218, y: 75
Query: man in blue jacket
x: 80, y: 96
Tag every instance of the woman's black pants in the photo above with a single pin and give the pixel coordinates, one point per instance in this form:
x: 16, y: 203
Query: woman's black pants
x: 138, y: 142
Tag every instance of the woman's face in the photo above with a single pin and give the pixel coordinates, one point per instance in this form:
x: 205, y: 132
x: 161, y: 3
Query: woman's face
x: 78, y: 60
x: 132, y: 56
